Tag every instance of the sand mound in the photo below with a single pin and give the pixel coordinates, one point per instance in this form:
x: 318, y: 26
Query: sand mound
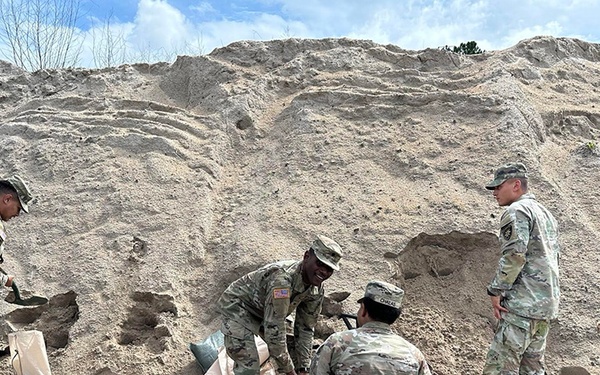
x: 159, y: 184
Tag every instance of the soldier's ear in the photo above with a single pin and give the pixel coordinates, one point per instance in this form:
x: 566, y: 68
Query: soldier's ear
x: 517, y: 185
x: 5, y: 198
x: 362, y: 311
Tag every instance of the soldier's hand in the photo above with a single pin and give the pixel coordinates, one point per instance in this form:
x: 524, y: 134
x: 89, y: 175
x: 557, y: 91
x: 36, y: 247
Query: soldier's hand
x: 9, y: 281
x: 498, y: 309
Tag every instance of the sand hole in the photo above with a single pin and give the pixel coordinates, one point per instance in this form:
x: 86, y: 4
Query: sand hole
x: 54, y: 319
x: 446, y: 310
x: 149, y: 321
x: 22, y: 317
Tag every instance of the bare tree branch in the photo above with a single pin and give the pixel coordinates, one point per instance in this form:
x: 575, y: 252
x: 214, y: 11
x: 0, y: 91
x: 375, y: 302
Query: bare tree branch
x: 40, y: 34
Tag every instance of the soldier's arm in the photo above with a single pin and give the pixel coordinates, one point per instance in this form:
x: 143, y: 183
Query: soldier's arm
x: 2, y: 238
x: 277, y: 303
x: 514, y: 237
x: 424, y: 368
x: 307, y: 314
x: 321, y: 362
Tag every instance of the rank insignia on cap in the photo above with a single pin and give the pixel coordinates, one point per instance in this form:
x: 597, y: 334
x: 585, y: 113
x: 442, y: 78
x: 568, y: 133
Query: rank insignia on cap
x: 281, y: 293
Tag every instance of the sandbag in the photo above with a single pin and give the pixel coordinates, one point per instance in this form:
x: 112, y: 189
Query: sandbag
x: 224, y: 365
x: 28, y: 353
x: 207, y: 351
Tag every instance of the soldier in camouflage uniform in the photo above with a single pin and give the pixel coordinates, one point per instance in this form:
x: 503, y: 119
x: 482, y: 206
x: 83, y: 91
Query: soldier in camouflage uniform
x: 14, y: 198
x: 259, y: 302
x: 373, y: 348
x: 525, y: 290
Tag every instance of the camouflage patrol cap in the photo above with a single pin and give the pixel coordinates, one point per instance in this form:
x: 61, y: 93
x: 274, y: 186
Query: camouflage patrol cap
x: 384, y: 293
x: 327, y: 251
x: 506, y: 172
x: 22, y: 190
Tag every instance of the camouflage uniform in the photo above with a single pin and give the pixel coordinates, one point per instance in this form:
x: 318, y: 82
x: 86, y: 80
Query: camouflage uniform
x: 259, y: 302
x: 372, y: 349
x: 527, y: 280
x: 2, y: 239
x: 25, y: 198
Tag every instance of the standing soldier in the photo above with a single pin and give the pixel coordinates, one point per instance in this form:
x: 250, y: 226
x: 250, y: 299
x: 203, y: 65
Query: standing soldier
x: 373, y: 348
x: 259, y: 302
x: 14, y: 198
x: 525, y: 291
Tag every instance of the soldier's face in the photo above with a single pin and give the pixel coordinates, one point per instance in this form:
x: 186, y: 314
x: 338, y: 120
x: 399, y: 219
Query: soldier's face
x: 314, y: 272
x: 9, y: 207
x: 507, y: 192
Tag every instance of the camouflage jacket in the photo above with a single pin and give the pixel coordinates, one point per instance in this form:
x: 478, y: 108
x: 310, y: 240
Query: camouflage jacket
x: 3, y: 277
x: 372, y: 349
x: 527, y: 273
x: 265, y: 298
x: 2, y: 237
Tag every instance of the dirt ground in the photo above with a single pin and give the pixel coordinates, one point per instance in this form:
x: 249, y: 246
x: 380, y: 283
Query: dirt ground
x: 157, y: 185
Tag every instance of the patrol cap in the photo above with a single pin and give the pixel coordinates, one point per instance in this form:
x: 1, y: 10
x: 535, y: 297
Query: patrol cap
x: 22, y: 190
x: 506, y: 172
x: 327, y: 251
x: 384, y: 293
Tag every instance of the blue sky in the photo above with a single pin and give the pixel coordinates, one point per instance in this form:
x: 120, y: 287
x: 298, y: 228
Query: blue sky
x: 159, y: 29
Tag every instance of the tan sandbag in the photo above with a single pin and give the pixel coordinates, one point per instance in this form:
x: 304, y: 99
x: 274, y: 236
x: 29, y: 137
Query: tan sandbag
x: 224, y: 365
x: 28, y: 353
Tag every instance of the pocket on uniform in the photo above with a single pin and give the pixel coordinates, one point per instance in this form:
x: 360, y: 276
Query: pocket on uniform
x: 517, y: 320
x: 513, y: 337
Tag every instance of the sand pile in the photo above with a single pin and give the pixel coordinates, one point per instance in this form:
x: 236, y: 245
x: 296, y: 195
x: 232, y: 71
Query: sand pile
x: 159, y: 184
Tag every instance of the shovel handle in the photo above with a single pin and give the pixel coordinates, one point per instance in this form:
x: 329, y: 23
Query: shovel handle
x: 14, y: 286
x: 16, y: 291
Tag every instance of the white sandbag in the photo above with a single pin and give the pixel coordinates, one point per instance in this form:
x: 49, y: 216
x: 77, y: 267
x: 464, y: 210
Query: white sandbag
x: 224, y: 365
x: 28, y: 353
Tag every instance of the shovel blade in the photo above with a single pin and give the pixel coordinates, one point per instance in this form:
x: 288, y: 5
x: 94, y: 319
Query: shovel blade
x: 31, y: 300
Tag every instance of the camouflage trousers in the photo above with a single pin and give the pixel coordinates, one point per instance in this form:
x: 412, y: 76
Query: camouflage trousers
x: 241, y: 347
x: 518, y: 347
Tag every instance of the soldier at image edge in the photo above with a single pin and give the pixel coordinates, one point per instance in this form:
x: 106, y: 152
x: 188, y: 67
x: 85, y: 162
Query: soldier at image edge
x: 525, y: 289
x: 372, y: 348
x: 259, y: 302
x: 14, y: 198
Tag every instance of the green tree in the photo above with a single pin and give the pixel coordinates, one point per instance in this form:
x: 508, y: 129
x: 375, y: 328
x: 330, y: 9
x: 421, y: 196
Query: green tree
x: 468, y: 48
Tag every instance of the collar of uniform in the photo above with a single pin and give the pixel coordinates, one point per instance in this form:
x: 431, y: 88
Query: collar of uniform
x: 526, y: 196
x: 377, y: 325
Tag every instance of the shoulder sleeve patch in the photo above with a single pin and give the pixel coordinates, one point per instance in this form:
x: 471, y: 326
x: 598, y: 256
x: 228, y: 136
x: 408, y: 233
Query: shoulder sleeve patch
x: 507, y: 232
x: 280, y: 293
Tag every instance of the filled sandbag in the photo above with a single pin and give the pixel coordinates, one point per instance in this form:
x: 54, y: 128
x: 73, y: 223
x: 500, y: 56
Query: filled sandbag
x: 224, y: 365
x: 28, y: 353
x: 207, y: 350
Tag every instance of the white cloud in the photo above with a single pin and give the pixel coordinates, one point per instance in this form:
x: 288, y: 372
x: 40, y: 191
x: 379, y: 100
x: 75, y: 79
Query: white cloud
x: 516, y: 35
x: 159, y: 25
x: 203, y: 8
x: 264, y: 27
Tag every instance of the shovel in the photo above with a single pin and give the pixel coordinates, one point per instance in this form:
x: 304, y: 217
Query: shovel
x: 29, y: 301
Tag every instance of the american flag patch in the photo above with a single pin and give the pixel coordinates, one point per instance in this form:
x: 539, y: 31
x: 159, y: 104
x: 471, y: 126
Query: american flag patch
x: 281, y: 293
